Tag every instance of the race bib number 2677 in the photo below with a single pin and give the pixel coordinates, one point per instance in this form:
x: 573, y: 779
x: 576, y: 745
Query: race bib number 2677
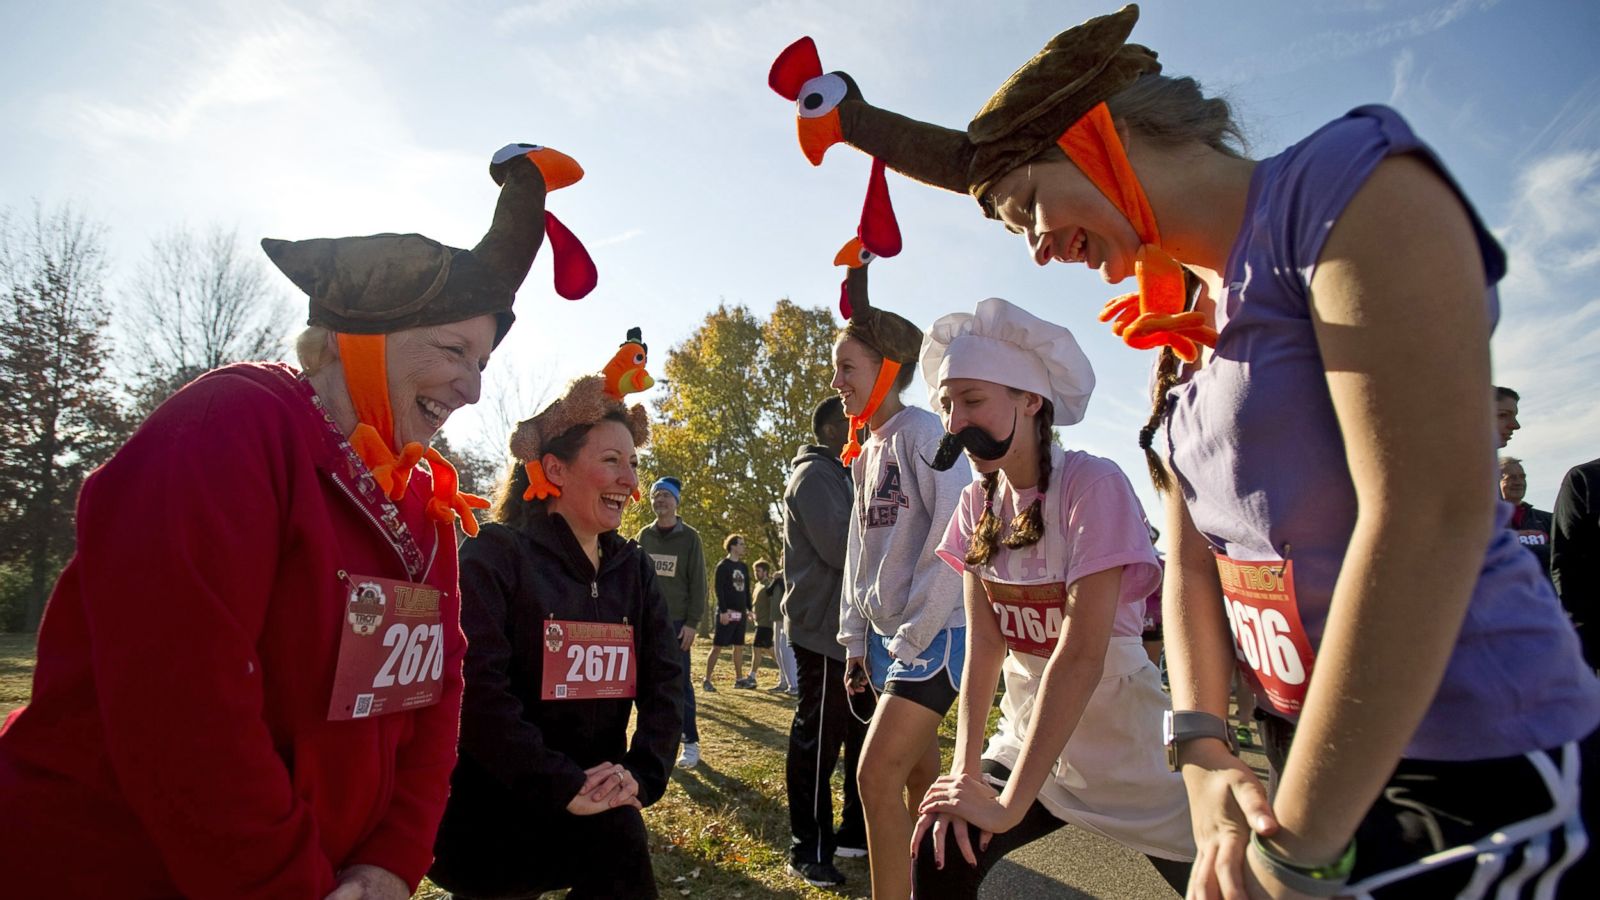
x: 588, y: 660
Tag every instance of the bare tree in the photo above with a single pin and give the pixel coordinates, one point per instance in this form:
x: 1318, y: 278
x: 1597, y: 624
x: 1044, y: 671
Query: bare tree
x: 199, y: 301
x: 62, y: 418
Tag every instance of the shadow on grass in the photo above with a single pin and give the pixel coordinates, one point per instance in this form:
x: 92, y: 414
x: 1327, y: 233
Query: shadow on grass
x: 747, y: 727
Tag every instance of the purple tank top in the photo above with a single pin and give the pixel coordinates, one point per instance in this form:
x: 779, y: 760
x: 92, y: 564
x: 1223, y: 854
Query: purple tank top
x: 1258, y: 454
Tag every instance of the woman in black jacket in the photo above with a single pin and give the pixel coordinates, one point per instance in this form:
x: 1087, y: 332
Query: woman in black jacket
x: 567, y: 635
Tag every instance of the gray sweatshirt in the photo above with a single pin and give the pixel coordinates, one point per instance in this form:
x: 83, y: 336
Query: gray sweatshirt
x: 816, y: 511
x: 894, y: 584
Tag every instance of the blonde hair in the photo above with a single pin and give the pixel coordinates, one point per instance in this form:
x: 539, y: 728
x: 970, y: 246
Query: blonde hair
x: 313, y: 347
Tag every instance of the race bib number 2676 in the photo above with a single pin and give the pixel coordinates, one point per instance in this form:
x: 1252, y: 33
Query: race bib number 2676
x: 1269, y: 642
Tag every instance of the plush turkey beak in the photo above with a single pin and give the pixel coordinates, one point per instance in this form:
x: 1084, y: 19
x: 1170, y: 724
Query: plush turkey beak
x: 558, y: 169
x: 636, y: 380
x: 818, y: 134
x: 850, y: 254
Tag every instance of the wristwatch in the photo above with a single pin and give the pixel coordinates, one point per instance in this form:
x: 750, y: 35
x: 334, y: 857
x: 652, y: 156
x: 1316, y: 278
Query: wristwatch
x: 1188, y: 724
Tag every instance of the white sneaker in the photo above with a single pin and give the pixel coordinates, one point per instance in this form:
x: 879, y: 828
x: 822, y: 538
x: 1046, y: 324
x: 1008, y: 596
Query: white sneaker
x: 690, y: 757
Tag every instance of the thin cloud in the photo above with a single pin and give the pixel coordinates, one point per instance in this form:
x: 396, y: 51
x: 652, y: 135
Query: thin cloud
x: 1341, y: 44
x: 615, y: 239
x: 1404, y: 62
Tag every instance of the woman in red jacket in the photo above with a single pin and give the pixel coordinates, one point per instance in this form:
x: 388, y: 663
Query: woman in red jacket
x: 249, y: 675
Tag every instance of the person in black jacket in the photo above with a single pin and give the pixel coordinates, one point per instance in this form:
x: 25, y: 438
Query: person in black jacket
x: 816, y: 518
x: 1575, y: 553
x: 567, y: 636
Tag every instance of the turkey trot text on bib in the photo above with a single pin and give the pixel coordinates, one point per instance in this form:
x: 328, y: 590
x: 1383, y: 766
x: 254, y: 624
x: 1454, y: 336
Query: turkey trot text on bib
x: 1269, y: 642
x: 1029, y: 614
x: 588, y: 660
x: 391, y: 649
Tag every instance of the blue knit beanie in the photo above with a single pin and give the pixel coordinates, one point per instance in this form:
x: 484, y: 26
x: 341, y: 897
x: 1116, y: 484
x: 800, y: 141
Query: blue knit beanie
x: 670, y: 485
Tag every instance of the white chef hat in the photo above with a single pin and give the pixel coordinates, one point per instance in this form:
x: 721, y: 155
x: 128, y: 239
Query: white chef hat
x: 1005, y: 344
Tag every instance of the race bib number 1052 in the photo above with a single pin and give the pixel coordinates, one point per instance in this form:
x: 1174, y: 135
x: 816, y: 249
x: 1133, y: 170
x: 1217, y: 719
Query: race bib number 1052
x: 1268, y: 640
x: 391, y: 649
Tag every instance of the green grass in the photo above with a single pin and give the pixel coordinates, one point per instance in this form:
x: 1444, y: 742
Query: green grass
x: 16, y: 671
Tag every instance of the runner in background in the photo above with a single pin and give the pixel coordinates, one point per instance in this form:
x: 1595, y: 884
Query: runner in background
x: 1329, y: 467
x: 901, y: 622
x: 783, y: 651
x: 680, y: 565
x: 1531, y: 525
x: 761, y: 610
x: 1505, y: 415
x: 1056, y: 559
x: 732, y: 586
x: 567, y: 639
x: 1575, y: 553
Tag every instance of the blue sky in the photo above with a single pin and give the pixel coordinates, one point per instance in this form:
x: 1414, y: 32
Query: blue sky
x: 298, y: 120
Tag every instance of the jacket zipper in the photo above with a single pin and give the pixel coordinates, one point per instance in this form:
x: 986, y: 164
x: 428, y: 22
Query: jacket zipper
x: 378, y: 525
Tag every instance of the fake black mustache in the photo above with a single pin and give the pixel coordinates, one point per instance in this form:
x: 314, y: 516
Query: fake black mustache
x: 973, y: 440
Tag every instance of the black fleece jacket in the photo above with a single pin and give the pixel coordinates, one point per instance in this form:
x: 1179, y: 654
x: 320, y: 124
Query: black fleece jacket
x: 523, y: 758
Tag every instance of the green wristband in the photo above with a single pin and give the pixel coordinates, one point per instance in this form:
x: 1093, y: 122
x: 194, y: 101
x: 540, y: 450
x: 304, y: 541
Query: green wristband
x: 1317, y: 881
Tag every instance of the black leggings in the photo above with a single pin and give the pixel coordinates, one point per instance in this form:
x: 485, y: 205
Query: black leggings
x: 959, y: 880
x: 600, y: 856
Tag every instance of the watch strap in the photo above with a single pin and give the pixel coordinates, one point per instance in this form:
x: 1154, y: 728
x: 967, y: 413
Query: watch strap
x: 1183, y: 725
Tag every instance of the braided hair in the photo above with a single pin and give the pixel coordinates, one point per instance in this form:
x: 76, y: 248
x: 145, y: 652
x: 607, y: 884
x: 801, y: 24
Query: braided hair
x: 1166, y: 377
x: 1027, y: 528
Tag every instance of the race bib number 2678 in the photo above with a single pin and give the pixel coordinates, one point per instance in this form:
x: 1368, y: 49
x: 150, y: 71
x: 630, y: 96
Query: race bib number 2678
x: 391, y: 650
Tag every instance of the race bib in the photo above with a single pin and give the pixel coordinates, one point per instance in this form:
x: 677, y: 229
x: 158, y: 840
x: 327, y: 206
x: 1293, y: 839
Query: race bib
x: 1269, y: 642
x: 1533, y: 538
x: 666, y: 566
x: 391, y: 651
x: 1029, y: 614
x: 588, y: 660
x: 735, y: 616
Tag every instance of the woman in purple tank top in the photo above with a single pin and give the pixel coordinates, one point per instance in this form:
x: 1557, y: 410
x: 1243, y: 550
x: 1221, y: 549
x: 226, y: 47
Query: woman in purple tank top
x: 1313, y: 462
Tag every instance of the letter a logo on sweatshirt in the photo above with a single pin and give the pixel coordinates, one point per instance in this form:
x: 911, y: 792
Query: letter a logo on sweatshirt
x: 887, y: 499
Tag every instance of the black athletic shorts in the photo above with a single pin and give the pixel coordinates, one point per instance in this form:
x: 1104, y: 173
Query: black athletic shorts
x: 729, y: 635
x: 934, y: 693
x: 763, y: 637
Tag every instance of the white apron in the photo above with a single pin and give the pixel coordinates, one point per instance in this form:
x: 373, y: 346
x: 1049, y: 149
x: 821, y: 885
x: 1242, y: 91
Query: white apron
x: 1112, y: 777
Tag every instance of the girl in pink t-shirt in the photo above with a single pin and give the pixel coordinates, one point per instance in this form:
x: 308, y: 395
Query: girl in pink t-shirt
x: 1056, y: 559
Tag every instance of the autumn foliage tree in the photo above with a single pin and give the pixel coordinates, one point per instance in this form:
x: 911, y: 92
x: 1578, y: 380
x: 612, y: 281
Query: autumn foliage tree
x: 737, y: 405
x: 62, y: 415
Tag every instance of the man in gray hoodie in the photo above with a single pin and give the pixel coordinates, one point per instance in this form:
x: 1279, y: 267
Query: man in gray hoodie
x: 680, y: 565
x: 816, y: 517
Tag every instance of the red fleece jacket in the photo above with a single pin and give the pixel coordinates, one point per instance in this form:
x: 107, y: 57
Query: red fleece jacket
x: 177, y: 742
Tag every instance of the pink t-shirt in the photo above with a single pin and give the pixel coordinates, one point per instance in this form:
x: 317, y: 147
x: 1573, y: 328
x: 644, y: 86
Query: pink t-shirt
x: 1100, y: 526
